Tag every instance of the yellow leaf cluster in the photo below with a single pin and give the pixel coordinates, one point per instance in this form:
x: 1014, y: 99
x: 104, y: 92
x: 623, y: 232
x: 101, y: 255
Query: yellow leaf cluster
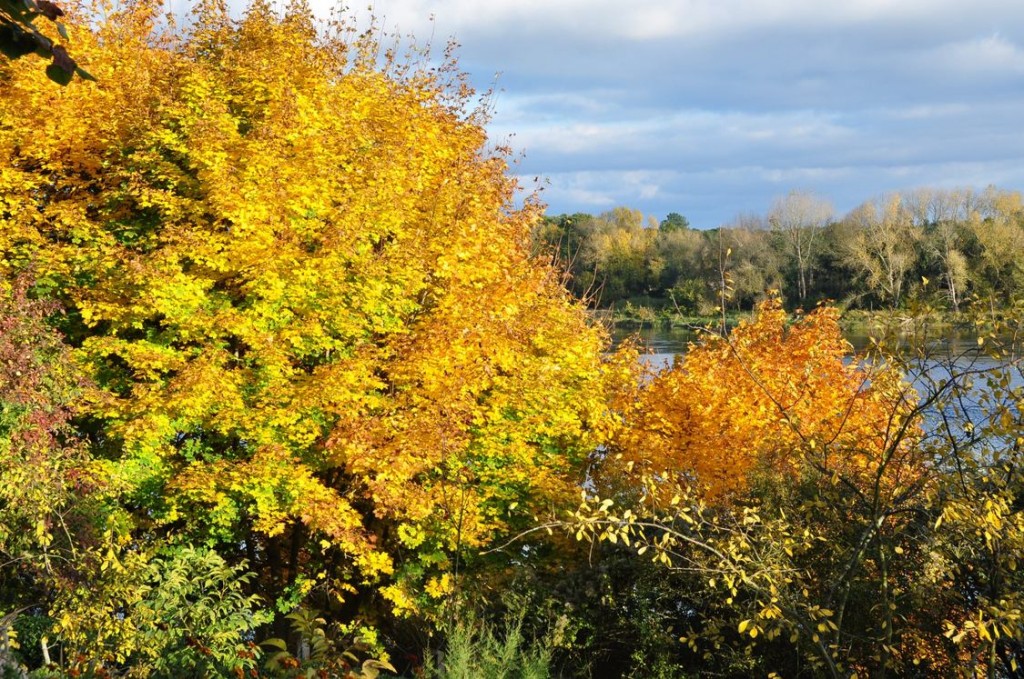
x: 299, y: 284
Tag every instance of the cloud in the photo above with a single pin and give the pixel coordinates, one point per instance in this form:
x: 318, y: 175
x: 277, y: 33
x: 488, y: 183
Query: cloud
x: 665, y: 139
x: 642, y: 20
x: 988, y: 57
x: 713, y: 107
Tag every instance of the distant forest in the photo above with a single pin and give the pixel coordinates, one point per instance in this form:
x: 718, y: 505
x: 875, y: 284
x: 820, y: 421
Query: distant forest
x: 939, y: 245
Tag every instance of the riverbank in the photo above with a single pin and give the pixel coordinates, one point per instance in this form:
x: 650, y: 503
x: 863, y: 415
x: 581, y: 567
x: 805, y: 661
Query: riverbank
x: 631, y: 317
x: 635, y: 317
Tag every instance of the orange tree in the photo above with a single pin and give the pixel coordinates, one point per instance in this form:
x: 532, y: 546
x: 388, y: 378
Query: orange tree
x: 773, y: 398
x: 792, y: 486
x: 293, y: 272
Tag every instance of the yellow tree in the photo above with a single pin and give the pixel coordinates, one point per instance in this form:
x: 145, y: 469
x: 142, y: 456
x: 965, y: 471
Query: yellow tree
x: 997, y: 226
x: 884, y: 246
x: 800, y: 217
x: 293, y: 270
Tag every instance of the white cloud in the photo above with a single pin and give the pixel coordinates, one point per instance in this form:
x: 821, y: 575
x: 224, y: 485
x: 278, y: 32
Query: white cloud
x: 662, y: 138
x: 712, y: 107
x: 647, y: 19
x: 927, y: 111
x: 990, y: 56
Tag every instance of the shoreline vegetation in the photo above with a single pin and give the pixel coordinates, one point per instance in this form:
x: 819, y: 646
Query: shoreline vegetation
x: 637, y: 317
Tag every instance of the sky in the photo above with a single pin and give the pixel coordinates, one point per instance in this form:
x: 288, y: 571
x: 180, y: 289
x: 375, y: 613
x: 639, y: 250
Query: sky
x: 713, y: 108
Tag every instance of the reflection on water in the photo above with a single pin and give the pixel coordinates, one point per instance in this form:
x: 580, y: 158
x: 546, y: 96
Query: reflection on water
x: 658, y: 346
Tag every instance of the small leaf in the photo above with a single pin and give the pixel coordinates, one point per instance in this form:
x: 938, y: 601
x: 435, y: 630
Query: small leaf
x: 63, y: 60
x: 58, y: 74
x: 275, y: 643
x: 84, y: 75
x: 379, y: 665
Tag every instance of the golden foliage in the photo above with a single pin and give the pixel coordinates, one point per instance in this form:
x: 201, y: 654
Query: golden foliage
x: 771, y: 398
x: 299, y: 285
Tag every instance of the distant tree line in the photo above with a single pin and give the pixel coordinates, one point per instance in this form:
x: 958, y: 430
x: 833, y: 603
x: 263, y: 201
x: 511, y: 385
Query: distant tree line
x: 944, y: 244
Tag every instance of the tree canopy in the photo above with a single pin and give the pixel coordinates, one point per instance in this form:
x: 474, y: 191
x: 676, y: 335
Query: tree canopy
x: 311, y: 330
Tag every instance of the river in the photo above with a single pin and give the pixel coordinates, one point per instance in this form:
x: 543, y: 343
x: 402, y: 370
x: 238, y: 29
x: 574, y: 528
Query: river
x: 951, y: 349
x: 950, y: 353
x: 659, y: 345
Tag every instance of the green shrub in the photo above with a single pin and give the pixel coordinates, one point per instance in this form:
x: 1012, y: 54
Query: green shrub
x: 478, y: 650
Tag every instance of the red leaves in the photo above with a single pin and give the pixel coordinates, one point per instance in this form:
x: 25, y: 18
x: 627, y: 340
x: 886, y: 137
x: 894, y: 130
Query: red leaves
x: 24, y: 340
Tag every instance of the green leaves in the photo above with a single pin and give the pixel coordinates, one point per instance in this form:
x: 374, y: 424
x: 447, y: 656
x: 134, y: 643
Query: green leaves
x: 59, y: 74
x: 196, y: 616
x: 322, y: 650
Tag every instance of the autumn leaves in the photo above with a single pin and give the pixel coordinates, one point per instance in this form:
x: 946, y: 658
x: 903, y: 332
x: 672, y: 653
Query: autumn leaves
x: 768, y: 399
x: 309, y: 318
x: 303, y: 328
